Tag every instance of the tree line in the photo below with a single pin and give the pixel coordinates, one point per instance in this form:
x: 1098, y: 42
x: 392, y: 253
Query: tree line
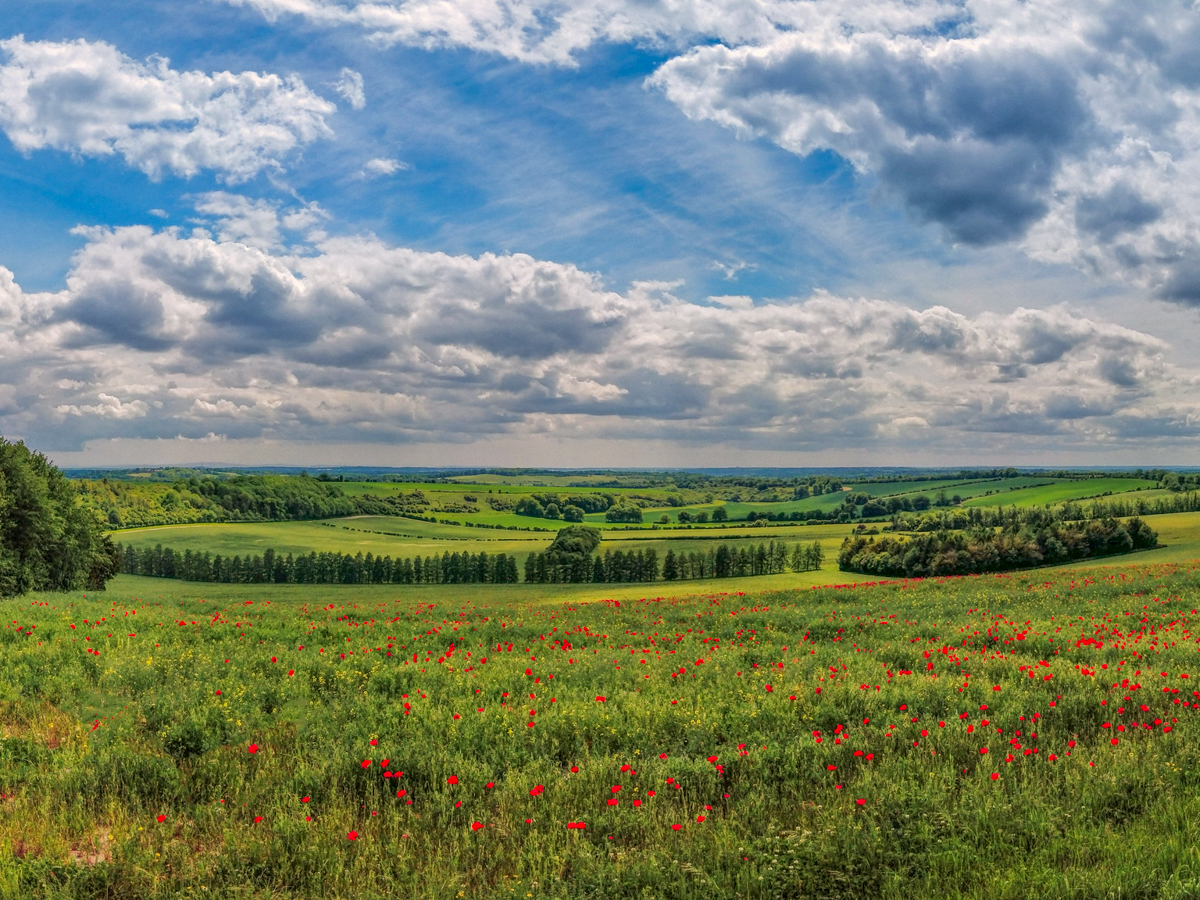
x: 1040, y: 516
x: 616, y: 566
x: 984, y: 549
x: 570, y: 561
x: 318, y: 568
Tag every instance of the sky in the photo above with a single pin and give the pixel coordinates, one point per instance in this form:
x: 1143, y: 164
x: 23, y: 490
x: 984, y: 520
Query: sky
x: 604, y: 233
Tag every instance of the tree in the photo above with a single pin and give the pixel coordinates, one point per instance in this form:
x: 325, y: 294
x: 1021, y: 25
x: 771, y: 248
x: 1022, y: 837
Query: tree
x: 572, y: 514
x: 670, y: 571
x: 720, y: 514
x: 630, y: 514
x: 49, y: 540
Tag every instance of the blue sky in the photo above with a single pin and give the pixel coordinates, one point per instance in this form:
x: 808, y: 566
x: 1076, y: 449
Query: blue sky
x: 617, y: 233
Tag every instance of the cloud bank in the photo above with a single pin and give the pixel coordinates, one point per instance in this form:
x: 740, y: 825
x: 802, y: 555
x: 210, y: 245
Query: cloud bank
x: 223, y: 331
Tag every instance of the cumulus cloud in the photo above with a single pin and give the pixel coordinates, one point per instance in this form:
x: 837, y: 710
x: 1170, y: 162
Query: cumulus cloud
x: 89, y: 99
x: 1071, y: 129
x: 160, y: 334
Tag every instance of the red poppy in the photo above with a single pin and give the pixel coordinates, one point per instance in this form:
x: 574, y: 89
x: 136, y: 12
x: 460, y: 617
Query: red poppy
x: 253, y: 748
x: 475, y: 826
x: 352, y: 836
x: 162, y: 818
x: 453, y: 779
x: 861, y: 801
x: 676, y: 827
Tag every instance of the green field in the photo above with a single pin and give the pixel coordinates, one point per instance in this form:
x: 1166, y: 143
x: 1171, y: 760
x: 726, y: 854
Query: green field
x: 1061, y: 491
x: 403, y: 538
x: 758, y: 738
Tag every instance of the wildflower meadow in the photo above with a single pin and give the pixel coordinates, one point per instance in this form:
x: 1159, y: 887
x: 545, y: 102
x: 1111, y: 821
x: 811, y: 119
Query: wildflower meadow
x: 1022, y: 736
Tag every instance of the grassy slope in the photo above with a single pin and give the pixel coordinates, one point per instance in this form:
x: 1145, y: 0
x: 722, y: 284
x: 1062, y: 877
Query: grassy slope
x: 80, y: 801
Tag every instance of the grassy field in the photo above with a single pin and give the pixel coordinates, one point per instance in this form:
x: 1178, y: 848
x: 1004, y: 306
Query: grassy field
x: 1061, y: 491
x: 1027, y: 736
x: 402, y: 538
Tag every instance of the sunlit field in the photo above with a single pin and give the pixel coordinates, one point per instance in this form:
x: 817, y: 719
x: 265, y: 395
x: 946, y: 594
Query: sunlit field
x: 1006, y: 736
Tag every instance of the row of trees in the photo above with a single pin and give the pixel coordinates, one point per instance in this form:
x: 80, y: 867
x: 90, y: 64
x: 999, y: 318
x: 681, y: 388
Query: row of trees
x: 1039, y: 516
x: 983, y: 549
x: 319, y: 568
x: 563, y: 566
x: 726, y: 561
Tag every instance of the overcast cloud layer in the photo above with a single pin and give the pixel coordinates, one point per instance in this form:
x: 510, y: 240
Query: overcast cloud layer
x: 252, y: 302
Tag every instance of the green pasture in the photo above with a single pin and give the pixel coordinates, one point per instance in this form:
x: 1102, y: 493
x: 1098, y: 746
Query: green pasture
x: 1061, y: 491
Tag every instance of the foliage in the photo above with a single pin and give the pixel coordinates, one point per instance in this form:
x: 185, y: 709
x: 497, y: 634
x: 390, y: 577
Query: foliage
x: 49, y: 541
x: 318, y: 568
x: 987, y: 550
x: 241, y: 498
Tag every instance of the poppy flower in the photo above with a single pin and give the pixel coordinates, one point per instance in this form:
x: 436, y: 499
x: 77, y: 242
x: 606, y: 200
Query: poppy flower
x: 453, y: 779
x: 162, y: 818
x: 475, y: 826
x: 253, y: 748
x: 352, y: 836
x: 861, y: 801
x: 676, y: 827
x: 995, y: 776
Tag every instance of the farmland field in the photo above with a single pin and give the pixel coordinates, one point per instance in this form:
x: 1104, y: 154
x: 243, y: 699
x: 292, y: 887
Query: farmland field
x: 1023, y: 736
x: 402, y: 538
x: 1062, y: 491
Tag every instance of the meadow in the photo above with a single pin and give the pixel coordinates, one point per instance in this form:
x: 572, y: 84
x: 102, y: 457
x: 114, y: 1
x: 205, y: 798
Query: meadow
x: 1023, y: 736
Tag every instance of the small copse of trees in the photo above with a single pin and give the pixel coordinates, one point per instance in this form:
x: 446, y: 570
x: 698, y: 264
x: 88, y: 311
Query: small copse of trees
x: 985, y: 549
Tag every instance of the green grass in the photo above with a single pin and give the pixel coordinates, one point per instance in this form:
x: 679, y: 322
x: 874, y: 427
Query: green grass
x: 158, y: 721
x: 1061, y: 491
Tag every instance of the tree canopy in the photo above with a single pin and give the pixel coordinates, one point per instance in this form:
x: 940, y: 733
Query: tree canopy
x: 49, y: 539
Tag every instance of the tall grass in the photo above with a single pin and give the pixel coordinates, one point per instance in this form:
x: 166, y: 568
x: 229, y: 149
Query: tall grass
x: 807, y: 743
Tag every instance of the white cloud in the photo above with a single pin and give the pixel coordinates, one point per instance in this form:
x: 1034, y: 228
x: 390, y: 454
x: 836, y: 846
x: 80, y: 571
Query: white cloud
x: 554, y: 31
x: 256, y: 223
x: 383, y: 166
x: 1071, y: 129
x: 160, y: 334
x: 90, y: 99
x: 350, y: 86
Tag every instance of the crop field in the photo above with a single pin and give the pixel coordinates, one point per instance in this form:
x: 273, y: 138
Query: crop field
x: 1022, y: 736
